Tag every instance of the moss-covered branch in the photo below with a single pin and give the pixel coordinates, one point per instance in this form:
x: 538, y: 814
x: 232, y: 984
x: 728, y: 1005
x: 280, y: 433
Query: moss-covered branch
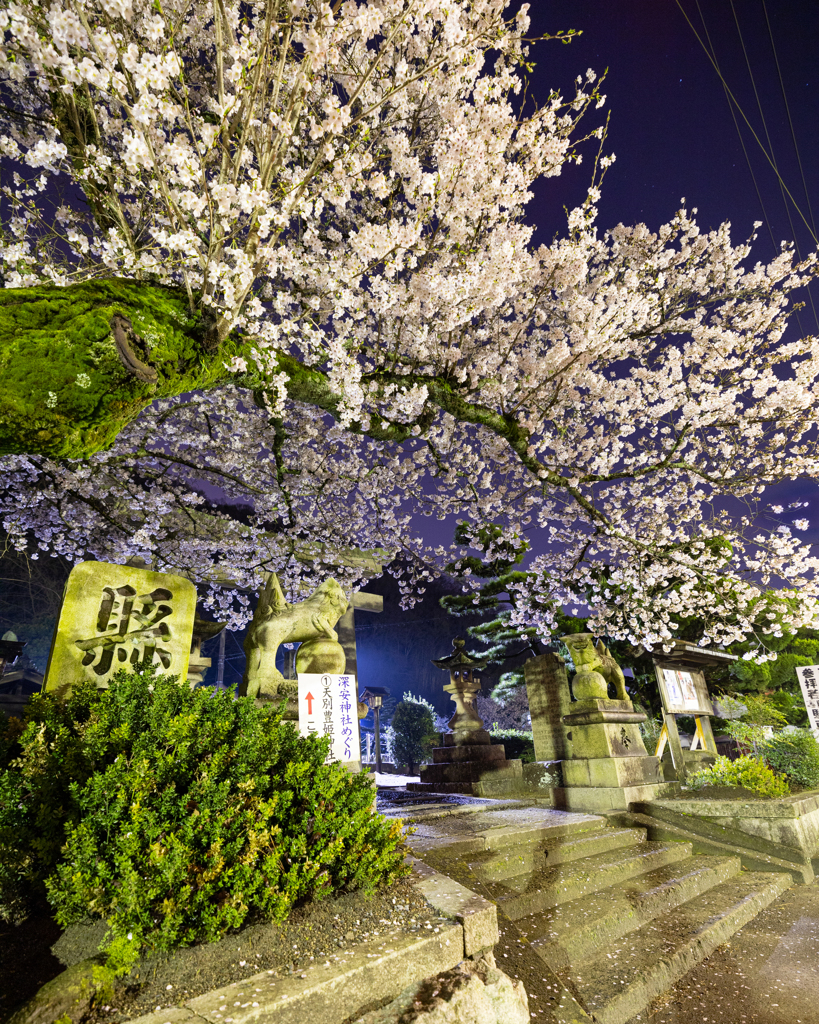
x: 78, y: 364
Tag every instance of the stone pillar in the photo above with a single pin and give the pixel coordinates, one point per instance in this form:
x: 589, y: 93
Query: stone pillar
x: 547, y: 685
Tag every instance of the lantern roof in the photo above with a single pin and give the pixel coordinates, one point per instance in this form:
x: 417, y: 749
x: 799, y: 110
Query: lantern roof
x: 374, y: 691
x: 459, y: 658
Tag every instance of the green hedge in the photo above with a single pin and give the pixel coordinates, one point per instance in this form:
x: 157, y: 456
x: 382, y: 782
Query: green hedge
x: 794, y: 755
x: 748, y: 772
x: 175, y: 814
x: 517, y: 742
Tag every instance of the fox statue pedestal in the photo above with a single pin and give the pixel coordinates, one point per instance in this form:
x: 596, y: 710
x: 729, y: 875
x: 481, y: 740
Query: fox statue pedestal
x: 608, y: 767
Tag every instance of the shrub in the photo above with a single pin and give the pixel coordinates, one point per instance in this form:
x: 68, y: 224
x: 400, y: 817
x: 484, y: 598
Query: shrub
x: 518, y: 743
x: 39, y: 762
x: 414, y: 726
x: 748, y: 772
x: 794, y: 755
x: 183, y: 812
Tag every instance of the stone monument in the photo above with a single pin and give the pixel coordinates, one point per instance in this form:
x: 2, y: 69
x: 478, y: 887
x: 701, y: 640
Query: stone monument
x: 277, y: 621
x: 120, y: 616
x: 608, y: 766
x: 468, y: 762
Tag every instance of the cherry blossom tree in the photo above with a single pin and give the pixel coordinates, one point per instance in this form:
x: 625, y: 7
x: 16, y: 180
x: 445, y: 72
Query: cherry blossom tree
x: 313, y: 218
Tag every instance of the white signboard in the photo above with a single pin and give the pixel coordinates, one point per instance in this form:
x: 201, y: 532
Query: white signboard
x: 328, y: 706
x: 809, y: 681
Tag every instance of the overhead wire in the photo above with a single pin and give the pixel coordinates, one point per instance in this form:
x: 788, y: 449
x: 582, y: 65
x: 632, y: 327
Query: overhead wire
x: 765, y: 217
x: 742, y: 113
x: 713, y: 57
x: 773, y: 156
x: 790, y: 119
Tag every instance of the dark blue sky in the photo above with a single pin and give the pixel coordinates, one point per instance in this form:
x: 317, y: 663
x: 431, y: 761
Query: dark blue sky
x: 671, y: 125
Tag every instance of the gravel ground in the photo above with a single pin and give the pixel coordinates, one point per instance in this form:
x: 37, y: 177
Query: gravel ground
x: 767, y: 974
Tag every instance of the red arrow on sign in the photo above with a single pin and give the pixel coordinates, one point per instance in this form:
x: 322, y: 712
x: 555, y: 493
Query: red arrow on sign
x: 309, y: 698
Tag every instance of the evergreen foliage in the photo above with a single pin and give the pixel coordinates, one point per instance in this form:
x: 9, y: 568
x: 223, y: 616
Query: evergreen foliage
x: 794, y: 755
x: 518, y: 743
x: 499, y: 597
x: 414, y: 727
x: 748, y: 772
x: 176, y: 815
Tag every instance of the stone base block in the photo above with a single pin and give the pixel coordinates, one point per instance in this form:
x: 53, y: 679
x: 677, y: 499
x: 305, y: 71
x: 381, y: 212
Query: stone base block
x: 605, y: 799
x: 475, y: 737
x: 471, y: 771
x: 611, y: 771
x: 470, y: 752
x: 607, y: 739
x: 695, y: 760
x: 543, y: 776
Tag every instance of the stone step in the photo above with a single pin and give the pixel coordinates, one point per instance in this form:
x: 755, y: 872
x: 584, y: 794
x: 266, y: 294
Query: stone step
x: 496, y: 828
x: 532, y: 852
x: 531, y: 892
x: 752, y: 859
x: 582, y: 927
x: 615, y: 985
x: 765, y: 850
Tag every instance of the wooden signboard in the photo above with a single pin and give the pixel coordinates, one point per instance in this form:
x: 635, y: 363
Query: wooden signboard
x: 683, y: 692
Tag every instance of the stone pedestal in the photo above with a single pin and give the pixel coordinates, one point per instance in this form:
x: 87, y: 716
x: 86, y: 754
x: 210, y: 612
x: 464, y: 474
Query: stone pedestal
x: 477, y: 769
x: 609, y: 767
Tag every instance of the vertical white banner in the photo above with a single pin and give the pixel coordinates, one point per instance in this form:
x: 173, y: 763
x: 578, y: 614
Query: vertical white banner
x: 328, y: 706
x: 808, y: 676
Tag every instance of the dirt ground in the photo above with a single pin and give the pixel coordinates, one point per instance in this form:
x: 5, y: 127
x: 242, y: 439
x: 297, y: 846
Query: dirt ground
x: 767, y: 974
x: 315, y: 931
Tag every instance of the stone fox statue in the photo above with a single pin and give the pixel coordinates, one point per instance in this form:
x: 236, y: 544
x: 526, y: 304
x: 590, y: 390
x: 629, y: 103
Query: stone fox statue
x: 611, y: 671
x: 276, y: 621
x: 592, y: 656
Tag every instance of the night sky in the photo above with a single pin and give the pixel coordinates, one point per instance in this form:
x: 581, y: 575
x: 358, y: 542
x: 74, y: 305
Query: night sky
x: 672, y: 129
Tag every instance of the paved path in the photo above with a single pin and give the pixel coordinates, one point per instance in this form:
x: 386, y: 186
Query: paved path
x: 767, y: 974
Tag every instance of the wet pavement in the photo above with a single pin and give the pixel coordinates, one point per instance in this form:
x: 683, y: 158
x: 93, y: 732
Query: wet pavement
x: 767, y: 974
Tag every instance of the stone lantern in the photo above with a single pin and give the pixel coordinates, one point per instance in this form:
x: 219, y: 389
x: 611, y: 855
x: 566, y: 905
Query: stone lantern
x: 10, y: 650
x: 464, y: 685
x: 468, y: 762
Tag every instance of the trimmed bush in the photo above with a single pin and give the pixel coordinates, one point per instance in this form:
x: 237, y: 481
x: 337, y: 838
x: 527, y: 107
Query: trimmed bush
x: 518, y: 743
x: 177, y: 814
x: 794, y: 755
x: 415, y: 736
x: 748, y: 772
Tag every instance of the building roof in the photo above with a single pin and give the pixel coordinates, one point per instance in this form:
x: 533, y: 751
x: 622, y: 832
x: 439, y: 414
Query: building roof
x: 374, y: 691
x: 688, y: 653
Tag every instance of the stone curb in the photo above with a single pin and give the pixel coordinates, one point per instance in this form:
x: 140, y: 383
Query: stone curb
x: 364, y: 978
x: 477, y: 916
x: 372, y: 974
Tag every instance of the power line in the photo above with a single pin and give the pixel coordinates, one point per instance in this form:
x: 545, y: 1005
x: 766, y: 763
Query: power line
x: 713, y: 58
x: 773, y: 157
x: 747, y: 122
x: 789, y: 119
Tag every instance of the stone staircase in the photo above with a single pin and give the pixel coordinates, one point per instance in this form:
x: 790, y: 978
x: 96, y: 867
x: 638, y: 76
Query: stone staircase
x: 618, y: 918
